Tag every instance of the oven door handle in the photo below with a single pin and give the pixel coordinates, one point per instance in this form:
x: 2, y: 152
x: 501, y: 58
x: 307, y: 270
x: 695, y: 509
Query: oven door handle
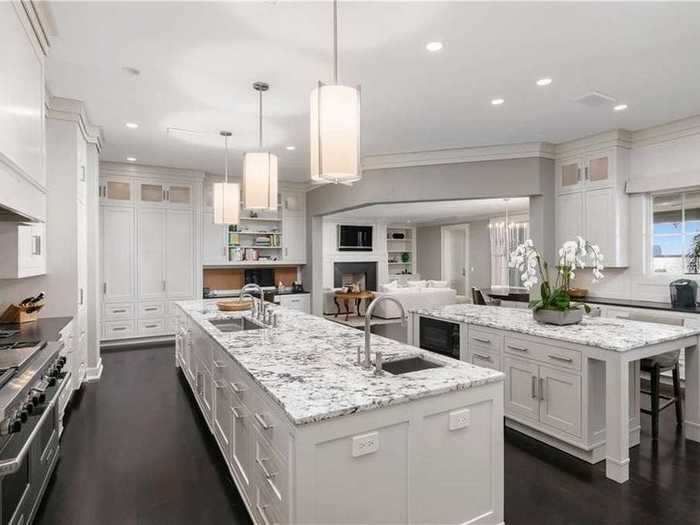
x: 9, y: 466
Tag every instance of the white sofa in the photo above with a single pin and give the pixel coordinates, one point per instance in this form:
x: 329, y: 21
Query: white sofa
x: 412, y: 297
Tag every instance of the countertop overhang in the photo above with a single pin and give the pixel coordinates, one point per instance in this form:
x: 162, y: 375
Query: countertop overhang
x: 307, y: 365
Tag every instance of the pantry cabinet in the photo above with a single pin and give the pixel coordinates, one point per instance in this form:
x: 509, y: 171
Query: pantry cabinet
x: 591, y: 201
x: 150, y: 248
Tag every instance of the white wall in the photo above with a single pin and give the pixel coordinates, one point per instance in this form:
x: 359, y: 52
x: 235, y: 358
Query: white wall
x: 665, y: 154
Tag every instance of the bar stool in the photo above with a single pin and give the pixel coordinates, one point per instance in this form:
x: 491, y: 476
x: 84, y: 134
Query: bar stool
x: 655, y: 366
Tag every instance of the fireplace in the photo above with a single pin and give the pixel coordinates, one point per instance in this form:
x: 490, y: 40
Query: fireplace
x: 348, y: 273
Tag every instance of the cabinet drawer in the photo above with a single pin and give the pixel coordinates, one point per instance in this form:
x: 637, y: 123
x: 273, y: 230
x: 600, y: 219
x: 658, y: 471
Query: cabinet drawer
x: 269, y: 424
x: 151, y: 310
x: 152, y: 327
x: 267, y: 510
x: 118, y: 311
x: 270, y: 468
x: 485, y: 359
x: 118, y: 329
x: 490, y: 340
x: 553, y: 355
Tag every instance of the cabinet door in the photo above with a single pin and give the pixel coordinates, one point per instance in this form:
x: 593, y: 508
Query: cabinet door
x: 598, y: 170
x: 569, y: 175
x: 560, y: 400
x: 115, y: 190
x: 242, y: 442
x: 294, y: 239
x: 179, y: 195
x: 31, y: 247
x: 222, y: 415
x: 118, y: 258
x: 293, y: 203
x: 214, y: 250
x: 569, y: 217
x: 521, y: 388
x: 151, y: 252
x: 82, y: 262
x: 179, y: 254
x: 601, y: 221
x: 151, y: 193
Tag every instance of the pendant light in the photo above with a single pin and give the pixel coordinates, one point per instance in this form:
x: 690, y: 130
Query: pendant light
x: 335, y: 126
x: 227, y: 195
x: 260, y: 169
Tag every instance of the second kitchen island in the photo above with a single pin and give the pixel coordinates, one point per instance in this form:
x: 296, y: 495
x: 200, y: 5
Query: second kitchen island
x: 573, y: 387
x: 310, y: 437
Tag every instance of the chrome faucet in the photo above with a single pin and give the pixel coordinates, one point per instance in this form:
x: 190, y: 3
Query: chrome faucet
x: 368, y: 321
x: 252, y: 287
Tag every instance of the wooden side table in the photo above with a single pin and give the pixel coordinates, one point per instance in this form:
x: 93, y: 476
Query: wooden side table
x: 350, y: 298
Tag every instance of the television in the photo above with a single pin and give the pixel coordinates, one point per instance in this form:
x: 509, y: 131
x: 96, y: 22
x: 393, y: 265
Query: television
x: 354, y: 238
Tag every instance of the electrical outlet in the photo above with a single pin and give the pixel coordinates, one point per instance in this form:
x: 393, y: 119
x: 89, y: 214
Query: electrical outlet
x: 460, y: 419
x: 365, y: 444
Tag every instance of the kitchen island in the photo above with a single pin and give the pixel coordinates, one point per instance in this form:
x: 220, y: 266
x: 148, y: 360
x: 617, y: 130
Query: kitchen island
x: 310, y: 437
x: 573, y: 387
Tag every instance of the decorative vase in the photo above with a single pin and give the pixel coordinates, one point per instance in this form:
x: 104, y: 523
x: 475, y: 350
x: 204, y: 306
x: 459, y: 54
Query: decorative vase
x: 405, y: 257
x: 561, y: 318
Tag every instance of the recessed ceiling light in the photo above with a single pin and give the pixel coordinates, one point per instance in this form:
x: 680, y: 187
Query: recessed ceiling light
x: 433, y: 46
x: 544, y: 81
x: 132, y: 125
x: 620, y: 107
x: 497, y: 101
x: 131, y: 159
x: 291, y: 148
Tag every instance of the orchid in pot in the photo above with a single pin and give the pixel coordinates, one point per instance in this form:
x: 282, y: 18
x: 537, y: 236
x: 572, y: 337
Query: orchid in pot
x: 555, y: 305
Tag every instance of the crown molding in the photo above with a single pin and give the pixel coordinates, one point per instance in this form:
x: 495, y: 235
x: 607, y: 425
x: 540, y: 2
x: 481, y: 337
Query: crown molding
x: 71, y: 110
x: 38, y: 22
x: 458, y: 155
x: 143, y: 170
x: 608, y: 139
x: 667, y: 132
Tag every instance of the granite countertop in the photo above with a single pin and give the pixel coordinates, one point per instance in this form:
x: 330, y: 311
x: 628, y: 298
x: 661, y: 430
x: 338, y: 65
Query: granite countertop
x: 619, y: 335
x: 45, y: 329
x: 306, y: 364
x: 650, y: 305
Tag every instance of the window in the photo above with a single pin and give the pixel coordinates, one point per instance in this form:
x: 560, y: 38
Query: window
x: 676, y: 233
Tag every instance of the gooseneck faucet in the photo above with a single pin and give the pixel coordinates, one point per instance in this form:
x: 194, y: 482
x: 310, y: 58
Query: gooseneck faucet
x: 368, y: 324
x: 250, y: 288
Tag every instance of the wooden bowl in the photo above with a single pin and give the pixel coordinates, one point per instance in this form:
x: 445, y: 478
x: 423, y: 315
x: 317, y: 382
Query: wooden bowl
x: 234, y: 305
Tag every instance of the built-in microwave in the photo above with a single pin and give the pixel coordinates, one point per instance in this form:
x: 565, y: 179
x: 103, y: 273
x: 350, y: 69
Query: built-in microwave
x: 354, y: 238
x: 441, y: 337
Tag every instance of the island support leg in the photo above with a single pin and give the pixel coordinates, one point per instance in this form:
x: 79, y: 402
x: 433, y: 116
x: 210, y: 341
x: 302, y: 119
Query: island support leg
x: 617, y: 432
x: 692, y: 393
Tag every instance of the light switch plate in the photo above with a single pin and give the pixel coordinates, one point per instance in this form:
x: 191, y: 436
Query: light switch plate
x: 365, y: 444
x: 460, y: 419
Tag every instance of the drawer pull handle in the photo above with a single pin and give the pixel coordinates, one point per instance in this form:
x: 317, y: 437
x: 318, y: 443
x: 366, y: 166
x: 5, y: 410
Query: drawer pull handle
x: 261, y: 511
x: 219, y: 385
x: 483, y: 356
x: 259, y: 418
x: 118, y: 328
x: 217, y: 364
x: 482, y: 340
x: 261, y: 464
x: 560, y: 358
x: 151, y: 309
x: 534, y: 388
x: 541, y: 389
x: 120, y: 311
x: 518, y: 348
x: 236, y: 413
x: 237, y: 389
x: 151, y: 326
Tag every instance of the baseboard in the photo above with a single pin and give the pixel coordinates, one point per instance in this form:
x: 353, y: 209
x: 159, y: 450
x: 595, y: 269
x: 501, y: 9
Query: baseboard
x: 93, y: 375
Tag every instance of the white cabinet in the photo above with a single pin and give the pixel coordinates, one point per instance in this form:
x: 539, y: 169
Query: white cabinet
x: 560, y: 399
x: 115, y: 190
x: 300, y: 302
x: 118, y: 253
x: 214, y: 250
x: 24, y: 248
x: 591, y: 201
x: 521, y: 388
x: 151, y: 253
x: 179, y: 254
x: 294, y: 239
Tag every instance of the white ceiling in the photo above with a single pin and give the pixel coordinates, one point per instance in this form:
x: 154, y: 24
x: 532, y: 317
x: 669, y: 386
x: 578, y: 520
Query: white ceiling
x: 435, y: 212
x: 198, y: 61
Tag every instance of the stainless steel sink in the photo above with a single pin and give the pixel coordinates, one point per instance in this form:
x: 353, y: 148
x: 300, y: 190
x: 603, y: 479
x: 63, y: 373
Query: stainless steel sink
x: 235, y: 325
x: 408, y: 365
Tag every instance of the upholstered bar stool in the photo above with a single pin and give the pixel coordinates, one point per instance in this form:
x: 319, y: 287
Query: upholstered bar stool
x: 655, y: 366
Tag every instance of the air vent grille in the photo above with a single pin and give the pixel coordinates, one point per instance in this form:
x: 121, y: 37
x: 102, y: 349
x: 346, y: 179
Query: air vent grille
x: 595, y: 99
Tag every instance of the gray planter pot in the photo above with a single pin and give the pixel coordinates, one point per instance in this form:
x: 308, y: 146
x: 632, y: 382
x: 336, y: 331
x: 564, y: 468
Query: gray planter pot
x: 559, y: 318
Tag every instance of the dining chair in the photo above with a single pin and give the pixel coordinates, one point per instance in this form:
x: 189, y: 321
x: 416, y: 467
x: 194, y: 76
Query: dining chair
x: 655, y: 366
x: 479, y: 298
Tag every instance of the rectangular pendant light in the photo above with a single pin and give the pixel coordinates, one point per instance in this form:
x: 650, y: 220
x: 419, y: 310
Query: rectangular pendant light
x: 260, y: 181
x: 227, y: 203
x: 335, y: 134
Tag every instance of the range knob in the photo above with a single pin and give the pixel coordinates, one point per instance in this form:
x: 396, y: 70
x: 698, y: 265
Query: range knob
x: 62, y: 360
x: 15, y: 426
x: 29, y: 407
x: 52, y: 380
x: 23, y: 416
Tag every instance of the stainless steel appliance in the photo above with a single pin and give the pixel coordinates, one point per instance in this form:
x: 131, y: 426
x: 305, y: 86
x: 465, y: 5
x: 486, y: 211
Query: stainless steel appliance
x: 354, y: 238
x: 31, y: 380
x: 684, y: 293
x: 441, y: 337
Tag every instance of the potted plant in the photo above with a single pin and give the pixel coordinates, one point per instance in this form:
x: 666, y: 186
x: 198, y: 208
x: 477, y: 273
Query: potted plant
x: 554, y: 305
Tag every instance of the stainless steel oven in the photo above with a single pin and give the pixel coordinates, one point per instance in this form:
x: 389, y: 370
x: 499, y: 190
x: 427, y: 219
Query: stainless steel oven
x: 441, y: 337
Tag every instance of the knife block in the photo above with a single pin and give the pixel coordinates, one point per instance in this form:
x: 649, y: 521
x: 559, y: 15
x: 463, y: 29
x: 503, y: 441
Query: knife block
x: 18, y: 314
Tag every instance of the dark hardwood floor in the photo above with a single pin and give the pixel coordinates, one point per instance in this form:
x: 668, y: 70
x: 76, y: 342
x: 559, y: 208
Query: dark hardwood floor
x: 135, y: 451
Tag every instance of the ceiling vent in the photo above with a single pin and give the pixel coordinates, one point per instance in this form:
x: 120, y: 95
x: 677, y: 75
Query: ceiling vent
x: 595, y: 99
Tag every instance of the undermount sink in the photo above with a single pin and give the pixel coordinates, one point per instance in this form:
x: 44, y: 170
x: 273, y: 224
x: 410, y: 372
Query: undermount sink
x: 409, y: 364
x: 235, y: 325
